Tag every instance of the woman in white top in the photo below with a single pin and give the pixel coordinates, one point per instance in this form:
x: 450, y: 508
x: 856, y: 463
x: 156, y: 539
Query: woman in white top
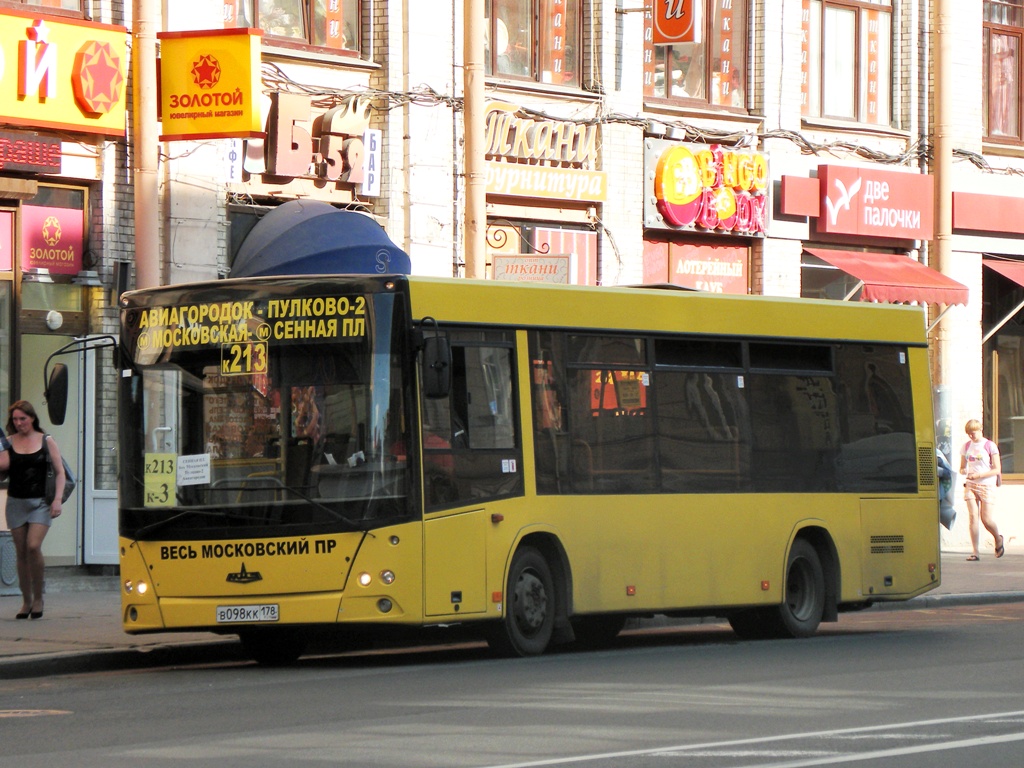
x: 980, y: 466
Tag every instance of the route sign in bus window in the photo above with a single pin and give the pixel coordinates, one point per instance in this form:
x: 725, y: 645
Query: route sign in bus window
x: 161, y: 479
x: 243, y: 359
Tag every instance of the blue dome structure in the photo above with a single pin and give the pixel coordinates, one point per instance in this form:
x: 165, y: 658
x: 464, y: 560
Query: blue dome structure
x: 309, y: 237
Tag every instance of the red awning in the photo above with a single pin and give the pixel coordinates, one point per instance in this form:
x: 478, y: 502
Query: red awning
x: 1011, y: 269
x: 891, y: 277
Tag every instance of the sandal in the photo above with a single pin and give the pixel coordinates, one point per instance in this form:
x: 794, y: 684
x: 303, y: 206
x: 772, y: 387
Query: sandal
x: 1000, y: 550
x: 973, y: 559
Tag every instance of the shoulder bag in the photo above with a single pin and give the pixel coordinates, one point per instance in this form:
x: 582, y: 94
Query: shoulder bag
x: 51, y: 477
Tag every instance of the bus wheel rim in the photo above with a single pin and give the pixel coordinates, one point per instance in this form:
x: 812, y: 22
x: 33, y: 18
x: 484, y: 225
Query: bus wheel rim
x: 531, y: 602
x: 799, y: 590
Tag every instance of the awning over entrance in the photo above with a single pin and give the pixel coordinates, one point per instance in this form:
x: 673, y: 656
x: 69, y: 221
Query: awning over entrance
x: 891, y: 277
x: 1012, y: 270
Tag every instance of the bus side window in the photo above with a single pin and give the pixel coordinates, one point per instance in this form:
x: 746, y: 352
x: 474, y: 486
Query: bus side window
x: 470, y: 441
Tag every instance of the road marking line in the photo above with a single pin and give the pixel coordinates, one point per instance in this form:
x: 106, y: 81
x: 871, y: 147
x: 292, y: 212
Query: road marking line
x: 788, y: 737
x: 856, y: 757
x: 6, y: 713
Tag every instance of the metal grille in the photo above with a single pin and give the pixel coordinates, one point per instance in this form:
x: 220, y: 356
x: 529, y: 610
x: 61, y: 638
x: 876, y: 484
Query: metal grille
x: 926, y: 465
x: 887, y: 545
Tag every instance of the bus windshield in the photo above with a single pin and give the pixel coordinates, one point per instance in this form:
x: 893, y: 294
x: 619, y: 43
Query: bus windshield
x: 283, y: 415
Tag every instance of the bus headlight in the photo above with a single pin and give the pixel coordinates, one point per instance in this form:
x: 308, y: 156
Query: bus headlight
x: 140, y: 589
x: 365, y: 579
x: 388, y: 577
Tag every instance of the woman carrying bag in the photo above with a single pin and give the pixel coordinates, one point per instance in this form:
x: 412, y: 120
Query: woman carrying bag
x: 27, y: 458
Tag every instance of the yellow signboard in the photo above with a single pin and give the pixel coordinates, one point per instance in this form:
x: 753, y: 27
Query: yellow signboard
x: 161, y: 482
x: 62, y: 75
x: 210, y: 84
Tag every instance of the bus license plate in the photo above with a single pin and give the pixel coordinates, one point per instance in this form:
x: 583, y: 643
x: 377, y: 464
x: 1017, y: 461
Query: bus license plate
x: 235, y: 614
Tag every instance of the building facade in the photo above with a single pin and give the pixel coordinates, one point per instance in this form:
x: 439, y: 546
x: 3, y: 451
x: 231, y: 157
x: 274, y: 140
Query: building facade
x: 782, y: 147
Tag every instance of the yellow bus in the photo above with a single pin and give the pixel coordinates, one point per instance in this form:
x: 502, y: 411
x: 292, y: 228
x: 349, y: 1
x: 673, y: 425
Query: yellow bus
x: 535, y: 463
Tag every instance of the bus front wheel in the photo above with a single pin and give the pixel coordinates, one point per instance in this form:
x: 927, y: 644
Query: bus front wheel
x: 529, y: 618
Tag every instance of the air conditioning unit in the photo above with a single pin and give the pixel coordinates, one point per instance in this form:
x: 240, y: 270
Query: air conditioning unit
x: 8, y: 565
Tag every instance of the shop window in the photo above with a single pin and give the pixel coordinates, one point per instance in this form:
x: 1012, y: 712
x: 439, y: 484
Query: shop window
x: 332, y: 24
x: 58, y: 5
x: 1004, y: 364
x: 6, y: 340
x: 821, y: 280
x: 533, y: 40
x: 1003, y: 31
x: 531, y: 252
x: 847, y: 68
x: 702, y: 58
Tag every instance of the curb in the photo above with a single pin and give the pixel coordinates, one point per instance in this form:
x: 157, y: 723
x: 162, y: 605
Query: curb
x: 117, y: 659
x: 947, y: 601
x: 228, y: 650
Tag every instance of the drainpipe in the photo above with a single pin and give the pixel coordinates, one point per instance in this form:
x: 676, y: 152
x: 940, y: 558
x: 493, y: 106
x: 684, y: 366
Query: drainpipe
x: 145, y: 18
x: 473, y: 124
x: 943, y: 169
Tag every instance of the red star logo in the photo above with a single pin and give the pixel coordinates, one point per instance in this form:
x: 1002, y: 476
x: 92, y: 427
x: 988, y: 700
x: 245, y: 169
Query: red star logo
x: 206, y: 71
x: 97, y: 78
x: 51, y: 231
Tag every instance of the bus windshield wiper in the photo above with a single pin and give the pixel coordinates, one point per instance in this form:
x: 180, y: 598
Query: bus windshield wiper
x: 274, y: 482
x: 185, y: 512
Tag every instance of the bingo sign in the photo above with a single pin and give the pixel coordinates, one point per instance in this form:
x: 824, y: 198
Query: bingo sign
x: 674, y: 22
x: 709, y: 188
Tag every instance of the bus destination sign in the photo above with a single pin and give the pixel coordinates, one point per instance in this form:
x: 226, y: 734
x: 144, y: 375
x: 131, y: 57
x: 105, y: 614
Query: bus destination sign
x: 244, y: 329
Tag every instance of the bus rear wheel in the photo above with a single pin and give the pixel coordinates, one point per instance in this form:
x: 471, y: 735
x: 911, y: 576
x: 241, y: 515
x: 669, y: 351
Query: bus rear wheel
x: 803, y: 604
x: 529, y: 618
x: 273, y: 647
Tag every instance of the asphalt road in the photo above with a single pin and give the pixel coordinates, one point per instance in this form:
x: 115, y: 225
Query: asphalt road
x: 933, y: 687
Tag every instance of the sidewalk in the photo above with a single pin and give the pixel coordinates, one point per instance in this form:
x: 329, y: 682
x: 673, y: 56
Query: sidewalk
x: 81, y: 629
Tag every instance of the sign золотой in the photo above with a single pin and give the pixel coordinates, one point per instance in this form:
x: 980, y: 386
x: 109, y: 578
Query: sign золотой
x: 65, y: 75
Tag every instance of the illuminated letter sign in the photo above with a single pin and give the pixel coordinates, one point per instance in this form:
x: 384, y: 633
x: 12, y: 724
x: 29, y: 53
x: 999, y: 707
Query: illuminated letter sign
x: 712, y: 188
x: 674, y: 22
x: 210, y: 84
x: 66, y: 75
x: 858, y: 200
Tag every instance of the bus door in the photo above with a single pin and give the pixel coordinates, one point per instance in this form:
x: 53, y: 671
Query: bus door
x: 471, y: 463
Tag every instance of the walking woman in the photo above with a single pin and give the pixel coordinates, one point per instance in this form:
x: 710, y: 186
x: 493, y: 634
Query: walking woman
x: 29, y: 514
x: 981, y: 468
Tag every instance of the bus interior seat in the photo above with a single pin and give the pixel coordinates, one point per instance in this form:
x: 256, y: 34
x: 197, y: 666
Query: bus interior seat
x: 336, y: 446
x: 298, y: 465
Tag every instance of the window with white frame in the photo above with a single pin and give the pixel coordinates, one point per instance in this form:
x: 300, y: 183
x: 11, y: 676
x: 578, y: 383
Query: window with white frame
x: 847, y: 60
x: 1003, y: 31
x: 60, y: 5
x: 696, y: 50
x: 332, y: 24
x: 533, y: 40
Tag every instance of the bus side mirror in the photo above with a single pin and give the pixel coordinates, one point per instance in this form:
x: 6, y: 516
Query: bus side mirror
x: 437, y: 367
x: 56, y: 394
